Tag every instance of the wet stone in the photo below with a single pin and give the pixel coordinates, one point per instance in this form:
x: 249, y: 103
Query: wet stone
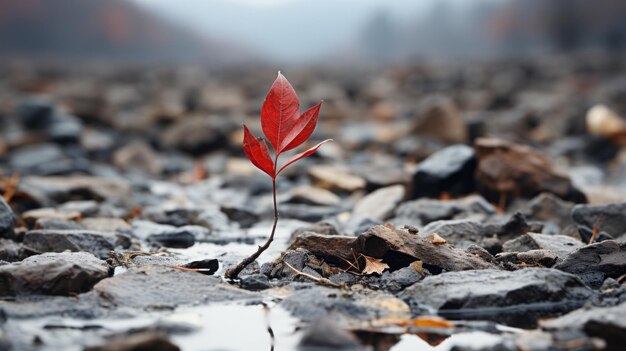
x: 98, y: 243
x: 325, y: 334
x: 449, y: 170
x: 162, y: 287
x: 52, y: 274
x: 608, y: 323
x: 517, y: 298
x: 154, y: 341
x: 310, y: 303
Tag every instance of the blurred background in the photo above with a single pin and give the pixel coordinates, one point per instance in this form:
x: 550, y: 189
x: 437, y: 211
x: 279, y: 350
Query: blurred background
x: 161, y: 87
x: 215, y: 32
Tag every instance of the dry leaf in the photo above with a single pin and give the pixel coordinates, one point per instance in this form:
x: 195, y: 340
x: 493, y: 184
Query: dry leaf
x: 374, y: 265
x: 438, y: 240
x: 418, y: 266
x: 431, y: 322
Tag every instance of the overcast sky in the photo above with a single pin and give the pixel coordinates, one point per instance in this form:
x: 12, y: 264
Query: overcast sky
x: 285, y: 30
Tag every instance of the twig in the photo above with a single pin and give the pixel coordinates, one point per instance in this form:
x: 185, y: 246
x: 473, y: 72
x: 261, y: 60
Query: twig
x: 317, y: 279
x: 232, y: 273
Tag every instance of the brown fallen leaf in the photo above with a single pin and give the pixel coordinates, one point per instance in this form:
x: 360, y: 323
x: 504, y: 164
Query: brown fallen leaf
x: 374, y: 265
x: 438, y: 240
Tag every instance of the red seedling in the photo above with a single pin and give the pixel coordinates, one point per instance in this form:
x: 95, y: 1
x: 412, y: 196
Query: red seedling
x: 285, y: 129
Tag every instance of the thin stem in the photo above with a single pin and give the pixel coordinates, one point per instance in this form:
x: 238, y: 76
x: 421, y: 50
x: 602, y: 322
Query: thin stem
x: 232, y: 273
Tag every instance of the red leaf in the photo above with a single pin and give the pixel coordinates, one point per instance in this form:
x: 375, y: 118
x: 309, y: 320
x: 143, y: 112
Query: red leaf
x: 257, y: 152
x: 279, y: 113
x: 303, y: 128
x: 302, y: 155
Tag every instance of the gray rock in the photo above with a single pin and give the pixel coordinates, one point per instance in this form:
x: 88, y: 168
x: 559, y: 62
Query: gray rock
x: 37, y: 306
x: 379, y: 204
x: 596, y: 262
x: 11, y: 251
x: 166, y: 235
x: 343, y: 278
x: 608, y: 323
x: 424, y: 211
x: 517, y: 297
x: 57, y: 224
x: 98, y: 243
x: 325, y: 334
x: 547, y: 207
x: 197, y: 135
x: 7, y: 220
x: 609, y: 218
x: 161, y: 287
x: 401, y: 278
x: 449, y: 170
x: 63, y: 189
x: 461, y: 233
x: 317, y: 302
x: 255, y: 282
x: 52, y: 274
x: 561, y: 245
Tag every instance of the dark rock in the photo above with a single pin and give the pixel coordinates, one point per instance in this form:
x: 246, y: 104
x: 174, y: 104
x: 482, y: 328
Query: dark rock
x: 608, y: 218
x: 153, y: 341
x: 98, y: 243
x: 244, y: 215
x: 511, y: 170
x: 35, y: 112
x: 398, y: 248
x: 449, y: 170
x: 255, y: 282
x: 424, y: 211
x: 561, y: 245
x: 401, y: 278
x: 316, y: 302
x: 517, y: 298
x: 325, y: 334
x: 52, y: 274
x: 586, y: 234
x: 166, y: 235
x: 208, y: 266
x: 162, y: 287
x: 547, y: 207
x: 596, y: 262
x: 7, y: 220
x: 607, y: 323
x: 48, y: 160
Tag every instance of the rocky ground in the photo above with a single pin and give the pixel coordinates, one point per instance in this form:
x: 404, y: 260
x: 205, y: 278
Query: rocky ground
x: 474, y: 207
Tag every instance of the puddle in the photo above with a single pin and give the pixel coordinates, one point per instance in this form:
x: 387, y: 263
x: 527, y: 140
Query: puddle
x: 202, y: 328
